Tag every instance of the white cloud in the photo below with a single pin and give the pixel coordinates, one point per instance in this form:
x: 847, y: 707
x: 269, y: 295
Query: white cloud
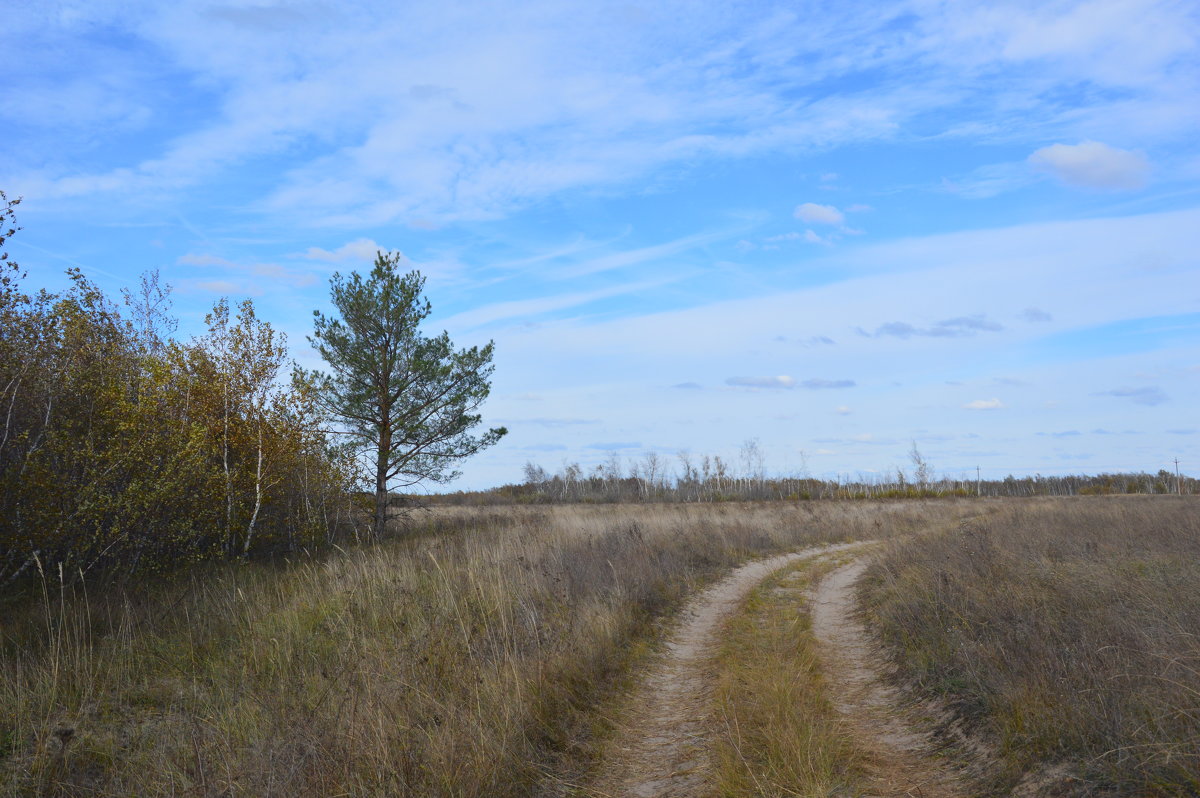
x: 812, y: 213
x: 812, y: 238
x: 984, y: 404
x: 842, y: 410
x: 362, y: 249
x: 1091, y: 164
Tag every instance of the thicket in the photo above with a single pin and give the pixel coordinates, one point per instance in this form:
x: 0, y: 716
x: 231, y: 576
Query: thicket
x: 124, y: 450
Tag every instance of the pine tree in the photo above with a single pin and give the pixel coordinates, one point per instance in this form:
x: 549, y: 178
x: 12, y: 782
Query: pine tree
x: 408, y: 399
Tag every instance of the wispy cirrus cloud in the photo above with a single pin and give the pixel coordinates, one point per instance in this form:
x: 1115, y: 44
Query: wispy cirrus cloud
x: 501, y: 109
x: 275, y: 272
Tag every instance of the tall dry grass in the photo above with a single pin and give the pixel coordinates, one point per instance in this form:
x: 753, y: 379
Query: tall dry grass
x: 1067, y: 632
x: 471, y: 660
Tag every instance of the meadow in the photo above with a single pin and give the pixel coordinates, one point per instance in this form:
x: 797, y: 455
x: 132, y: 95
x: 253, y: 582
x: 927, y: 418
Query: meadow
x: 472, y: 658
x: 483, y: 652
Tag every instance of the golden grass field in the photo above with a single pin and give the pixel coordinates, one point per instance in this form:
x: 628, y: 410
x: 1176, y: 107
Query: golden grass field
x: 481, y: 655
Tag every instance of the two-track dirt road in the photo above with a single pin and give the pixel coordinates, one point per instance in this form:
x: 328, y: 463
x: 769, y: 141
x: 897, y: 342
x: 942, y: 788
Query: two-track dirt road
x: 661, y: 750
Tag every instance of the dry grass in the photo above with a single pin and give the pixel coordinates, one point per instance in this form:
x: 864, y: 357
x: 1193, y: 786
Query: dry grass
x: 470, y: 660
x: 1067, y: 632
x: 779, y: 735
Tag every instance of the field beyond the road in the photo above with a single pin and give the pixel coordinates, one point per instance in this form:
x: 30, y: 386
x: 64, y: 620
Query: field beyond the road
x: 1064, y: 633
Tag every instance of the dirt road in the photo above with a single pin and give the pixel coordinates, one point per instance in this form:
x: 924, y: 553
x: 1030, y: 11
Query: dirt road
x: 661, y: 750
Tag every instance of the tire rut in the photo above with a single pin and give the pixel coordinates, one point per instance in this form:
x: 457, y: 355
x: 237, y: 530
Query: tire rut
x: 899, y: 758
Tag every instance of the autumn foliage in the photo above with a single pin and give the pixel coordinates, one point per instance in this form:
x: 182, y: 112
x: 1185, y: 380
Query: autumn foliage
x: 124, y: 450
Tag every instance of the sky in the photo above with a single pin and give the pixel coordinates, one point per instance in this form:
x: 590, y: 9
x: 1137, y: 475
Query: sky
x: 836, y: 228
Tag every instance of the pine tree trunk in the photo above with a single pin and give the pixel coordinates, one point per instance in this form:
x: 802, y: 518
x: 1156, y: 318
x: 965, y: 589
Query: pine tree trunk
x: 381, y: 495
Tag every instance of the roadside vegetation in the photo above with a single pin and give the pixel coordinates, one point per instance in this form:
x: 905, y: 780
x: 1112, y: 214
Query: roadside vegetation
x: 1065, y: 634
x: 472, y: 659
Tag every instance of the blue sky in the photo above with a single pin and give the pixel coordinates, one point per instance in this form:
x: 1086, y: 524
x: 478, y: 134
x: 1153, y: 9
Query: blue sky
x: 838, y: 228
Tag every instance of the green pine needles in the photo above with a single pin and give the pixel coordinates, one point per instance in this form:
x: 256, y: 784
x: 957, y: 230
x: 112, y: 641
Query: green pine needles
x: 409, y: 399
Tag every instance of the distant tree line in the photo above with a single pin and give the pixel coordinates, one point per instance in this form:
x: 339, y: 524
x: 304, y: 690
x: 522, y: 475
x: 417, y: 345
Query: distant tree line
x: 655, y: 478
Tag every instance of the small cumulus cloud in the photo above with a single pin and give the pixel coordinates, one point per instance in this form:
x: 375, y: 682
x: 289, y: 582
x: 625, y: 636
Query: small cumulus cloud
x: 842, y: 410
x: 745, y: 246
x: 782, y: 381
x: 812, y: 238
x: 792, y: 236
x: 362, y: 249
x: 984, y: 404
x: 1149, y: 396
x: 1035, y: 315
x: 688, y: 386
x: 1092, y: 164
x: 859, y: 208
x: 1070, y: 433
x: 812, y: 213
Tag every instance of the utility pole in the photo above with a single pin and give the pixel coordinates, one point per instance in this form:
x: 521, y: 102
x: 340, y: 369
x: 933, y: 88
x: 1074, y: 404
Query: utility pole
x: 978, y: 489
x: 1178, y: 489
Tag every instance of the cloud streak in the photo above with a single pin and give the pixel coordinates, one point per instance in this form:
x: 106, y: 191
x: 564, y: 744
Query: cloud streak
x: 959, y: 327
